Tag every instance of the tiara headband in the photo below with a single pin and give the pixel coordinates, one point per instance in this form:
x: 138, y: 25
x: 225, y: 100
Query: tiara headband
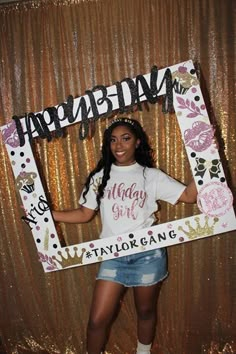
x: 122, y: 120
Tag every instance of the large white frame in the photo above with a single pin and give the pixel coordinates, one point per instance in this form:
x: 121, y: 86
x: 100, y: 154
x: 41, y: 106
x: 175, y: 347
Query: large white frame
x: 214, y: 197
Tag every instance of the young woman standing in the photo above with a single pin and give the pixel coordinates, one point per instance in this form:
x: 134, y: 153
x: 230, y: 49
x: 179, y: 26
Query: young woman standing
x: 125, y: 186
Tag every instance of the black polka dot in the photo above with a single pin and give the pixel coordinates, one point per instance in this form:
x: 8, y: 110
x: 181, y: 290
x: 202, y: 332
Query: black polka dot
x: 222, y: 179
x: 12, y: 153
x: 192, y: 71
x: 200, y: 182
x: 22, y: 154
x: 38, y: 240
x: 197, y: 98
x: 46, y: 219
x: 193, y: 154
x: 54, y: 246
x: 22, y: 165
x: 131, y: 235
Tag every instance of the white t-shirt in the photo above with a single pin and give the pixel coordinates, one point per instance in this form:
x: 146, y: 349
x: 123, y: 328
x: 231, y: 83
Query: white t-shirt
x: 130, y: 197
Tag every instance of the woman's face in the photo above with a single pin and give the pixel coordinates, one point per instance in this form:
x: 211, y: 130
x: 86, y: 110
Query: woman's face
x: 123, y: 144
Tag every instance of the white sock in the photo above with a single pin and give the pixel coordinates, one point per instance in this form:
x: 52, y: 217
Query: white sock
x: 143, y: 348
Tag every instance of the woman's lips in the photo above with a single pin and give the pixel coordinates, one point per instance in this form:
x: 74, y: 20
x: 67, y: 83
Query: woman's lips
x: 120, y: 153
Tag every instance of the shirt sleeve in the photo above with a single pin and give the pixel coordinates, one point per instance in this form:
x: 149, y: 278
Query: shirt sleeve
x: 168, y: 188
x: 89, y: 201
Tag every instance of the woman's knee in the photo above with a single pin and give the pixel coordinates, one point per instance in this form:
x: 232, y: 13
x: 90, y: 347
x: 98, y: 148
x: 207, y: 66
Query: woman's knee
x: 146, y: 313
x: 97, y: 322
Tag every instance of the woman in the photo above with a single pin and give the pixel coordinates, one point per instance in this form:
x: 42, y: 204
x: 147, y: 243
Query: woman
x: 125, y: 186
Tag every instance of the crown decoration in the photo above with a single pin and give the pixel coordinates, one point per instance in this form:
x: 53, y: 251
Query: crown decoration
x: 70, y: 260
x: 122, y: 120
x: 199, y: 231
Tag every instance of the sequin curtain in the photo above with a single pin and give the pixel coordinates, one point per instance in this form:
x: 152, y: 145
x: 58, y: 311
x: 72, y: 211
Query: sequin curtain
x: 50, y: 49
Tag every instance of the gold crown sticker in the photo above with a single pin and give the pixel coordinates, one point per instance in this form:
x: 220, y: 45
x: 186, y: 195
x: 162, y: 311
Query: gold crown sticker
x: 199, y: 230
x: 69, y: 261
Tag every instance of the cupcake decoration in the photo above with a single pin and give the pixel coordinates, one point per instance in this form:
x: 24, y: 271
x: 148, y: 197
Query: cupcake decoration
x: 183, y: 80
x: 25, y: 181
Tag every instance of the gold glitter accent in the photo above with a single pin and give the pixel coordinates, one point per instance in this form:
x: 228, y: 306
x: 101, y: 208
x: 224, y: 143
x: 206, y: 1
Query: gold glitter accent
x: 185, y: 79
x: 46, y: 240
x: 198, y: 230
x: 69, y: 260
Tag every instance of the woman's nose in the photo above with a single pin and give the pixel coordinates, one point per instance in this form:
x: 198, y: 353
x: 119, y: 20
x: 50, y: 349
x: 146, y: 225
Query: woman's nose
x: 118, y: 143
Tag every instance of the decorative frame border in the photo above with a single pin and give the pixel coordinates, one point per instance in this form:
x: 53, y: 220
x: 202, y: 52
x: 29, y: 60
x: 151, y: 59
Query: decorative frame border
x: 214, y: 197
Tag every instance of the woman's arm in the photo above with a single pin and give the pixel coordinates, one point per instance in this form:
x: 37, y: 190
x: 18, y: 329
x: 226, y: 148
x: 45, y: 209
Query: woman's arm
x: 189, y: 195
x: 75, y: 216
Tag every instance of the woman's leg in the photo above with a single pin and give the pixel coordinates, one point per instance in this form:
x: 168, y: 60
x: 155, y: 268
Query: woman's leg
x: 105, y: 301
x: 145, y: 298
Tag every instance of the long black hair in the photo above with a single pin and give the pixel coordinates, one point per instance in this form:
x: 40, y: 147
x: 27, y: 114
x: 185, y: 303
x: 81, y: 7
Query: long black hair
x: 143, y: 153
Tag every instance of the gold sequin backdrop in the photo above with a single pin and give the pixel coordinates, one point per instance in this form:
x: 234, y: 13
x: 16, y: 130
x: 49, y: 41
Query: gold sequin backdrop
x: 52, y: 48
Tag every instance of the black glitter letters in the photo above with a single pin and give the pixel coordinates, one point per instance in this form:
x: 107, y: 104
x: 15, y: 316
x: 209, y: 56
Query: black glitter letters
x: 98, y: 97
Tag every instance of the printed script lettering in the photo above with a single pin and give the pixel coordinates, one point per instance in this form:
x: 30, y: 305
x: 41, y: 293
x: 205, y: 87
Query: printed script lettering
x: 127, y: 200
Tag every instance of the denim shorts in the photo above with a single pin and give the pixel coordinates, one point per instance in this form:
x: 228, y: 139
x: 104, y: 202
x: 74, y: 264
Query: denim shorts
x: 141, y: 269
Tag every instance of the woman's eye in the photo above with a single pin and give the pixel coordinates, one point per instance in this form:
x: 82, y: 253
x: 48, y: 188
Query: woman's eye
x: 126, y: 138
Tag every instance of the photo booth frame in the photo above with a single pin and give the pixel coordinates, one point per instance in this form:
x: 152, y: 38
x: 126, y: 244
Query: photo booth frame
x: 180, y: 86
